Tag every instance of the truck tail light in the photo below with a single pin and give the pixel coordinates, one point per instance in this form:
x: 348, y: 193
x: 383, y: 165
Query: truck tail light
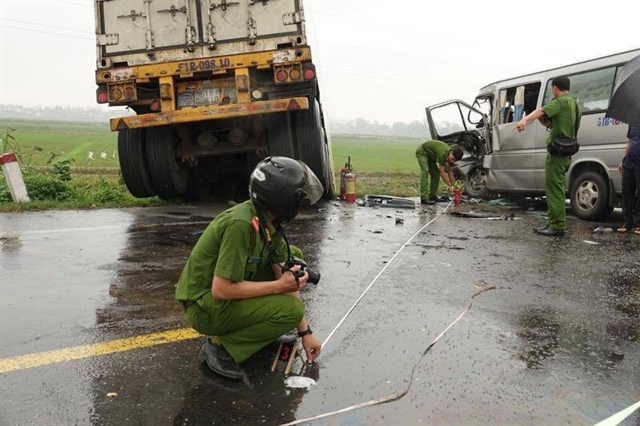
x: 295, y: 74
x: 116, y: 94
x: 101, y: 95
x: 155, y: 105
x: 121, y: 92
x: 288, y: 73
x: 281, y: 75
x: 129, y: 93
x: 309, y: 74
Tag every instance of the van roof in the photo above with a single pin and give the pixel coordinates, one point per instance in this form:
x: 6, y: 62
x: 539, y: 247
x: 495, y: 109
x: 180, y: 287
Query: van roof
x: 624, y: 56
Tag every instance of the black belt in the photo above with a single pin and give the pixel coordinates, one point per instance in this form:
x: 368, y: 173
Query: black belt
x: 187, y: 303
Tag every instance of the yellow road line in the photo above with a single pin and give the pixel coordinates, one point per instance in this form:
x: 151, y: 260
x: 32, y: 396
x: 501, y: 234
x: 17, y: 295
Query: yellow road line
x: 104, y: 348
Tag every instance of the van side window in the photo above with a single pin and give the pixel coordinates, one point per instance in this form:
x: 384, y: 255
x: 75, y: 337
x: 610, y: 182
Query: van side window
x: 513, y: 103
x: 591, y: 90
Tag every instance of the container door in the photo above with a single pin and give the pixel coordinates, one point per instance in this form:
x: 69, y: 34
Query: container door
x: 131, y: 26
x: 249, y: 20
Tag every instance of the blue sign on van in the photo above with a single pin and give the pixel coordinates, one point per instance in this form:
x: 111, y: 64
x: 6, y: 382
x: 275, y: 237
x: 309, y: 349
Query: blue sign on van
x: 606, y: 121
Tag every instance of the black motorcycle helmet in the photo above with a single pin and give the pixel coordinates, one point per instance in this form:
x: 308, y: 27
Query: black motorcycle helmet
x: 281, y: 184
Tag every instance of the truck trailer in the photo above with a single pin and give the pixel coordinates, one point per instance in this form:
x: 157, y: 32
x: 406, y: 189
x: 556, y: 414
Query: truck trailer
x: 211, y: 87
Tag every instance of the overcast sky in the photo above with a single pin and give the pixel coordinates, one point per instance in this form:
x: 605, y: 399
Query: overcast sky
x: 382, y: 60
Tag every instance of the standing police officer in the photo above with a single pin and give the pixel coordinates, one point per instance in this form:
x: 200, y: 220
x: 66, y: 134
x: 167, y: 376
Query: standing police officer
x: 235, y: 286
x: 564, y: 115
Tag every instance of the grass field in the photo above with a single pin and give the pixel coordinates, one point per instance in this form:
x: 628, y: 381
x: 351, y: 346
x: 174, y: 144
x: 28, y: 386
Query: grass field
x: 383, y: 166
x: 375, y: 155
x: 37, y: 141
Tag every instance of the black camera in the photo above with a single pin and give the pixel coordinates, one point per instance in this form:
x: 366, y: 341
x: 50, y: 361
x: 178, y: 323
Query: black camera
x: 314, y: 277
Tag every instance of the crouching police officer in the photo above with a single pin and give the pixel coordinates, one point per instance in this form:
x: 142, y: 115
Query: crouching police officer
x: 235, y: 286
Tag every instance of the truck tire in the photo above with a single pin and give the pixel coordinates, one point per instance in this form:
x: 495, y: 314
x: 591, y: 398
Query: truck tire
x: 311, y: 144
x: 133, y: 163
x: 475, y: 185
x: 329, y: 185
x: 169, y: 177
x: 589, y: 196
x: 279, y: 135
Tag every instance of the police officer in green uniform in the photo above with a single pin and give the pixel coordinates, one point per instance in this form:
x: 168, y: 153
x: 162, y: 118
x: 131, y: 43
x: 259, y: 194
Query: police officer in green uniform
x: 433, y: 156
x: 235, y: 286
x: 561, y: 112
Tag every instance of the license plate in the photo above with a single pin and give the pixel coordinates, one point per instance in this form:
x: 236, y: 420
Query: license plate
x: 207, y: 96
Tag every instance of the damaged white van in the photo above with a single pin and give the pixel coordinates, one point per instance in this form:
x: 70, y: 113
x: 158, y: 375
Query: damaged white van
x: 501, y: 160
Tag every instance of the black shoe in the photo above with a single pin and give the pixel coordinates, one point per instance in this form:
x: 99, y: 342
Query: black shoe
x: 550, y: 232
x: 427, y: 201
x: 220, y: 361
x: 437, y: 199
x: 542, y: 228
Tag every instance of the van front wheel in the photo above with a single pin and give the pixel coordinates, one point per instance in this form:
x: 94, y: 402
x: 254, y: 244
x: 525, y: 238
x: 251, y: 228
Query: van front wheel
x: 590, y: 196
x: 475, y: 184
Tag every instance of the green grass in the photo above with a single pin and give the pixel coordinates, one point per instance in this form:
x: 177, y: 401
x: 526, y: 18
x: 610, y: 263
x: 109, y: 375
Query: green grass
x: 370, y: 154
x: 38, y: 141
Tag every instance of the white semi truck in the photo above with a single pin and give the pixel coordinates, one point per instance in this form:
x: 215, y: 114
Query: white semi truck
x: 215, y: 86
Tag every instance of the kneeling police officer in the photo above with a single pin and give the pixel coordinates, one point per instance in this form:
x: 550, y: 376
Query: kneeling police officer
x: 238, y: 284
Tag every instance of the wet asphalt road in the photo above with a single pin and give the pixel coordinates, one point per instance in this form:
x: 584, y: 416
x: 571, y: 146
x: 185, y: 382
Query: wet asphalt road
x: 558, y: 341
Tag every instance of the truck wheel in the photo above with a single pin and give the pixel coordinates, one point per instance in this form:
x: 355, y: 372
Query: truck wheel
x: 169, y: 177
x: 310, y: 143
x: 133, y: 163
x: 279, y: 135
x: 590, y: 196
x: 329, y: 189
x: 475, y: 184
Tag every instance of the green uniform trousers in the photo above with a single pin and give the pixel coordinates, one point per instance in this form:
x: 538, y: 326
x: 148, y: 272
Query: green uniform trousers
x: 428, y: 169
x: 555, y: 176
x: 245, y: 326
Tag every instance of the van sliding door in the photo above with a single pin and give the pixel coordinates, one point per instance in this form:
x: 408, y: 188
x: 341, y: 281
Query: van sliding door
x: 513, y: 162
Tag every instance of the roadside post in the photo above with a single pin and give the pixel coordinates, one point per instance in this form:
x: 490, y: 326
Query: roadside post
x: 13, y: 176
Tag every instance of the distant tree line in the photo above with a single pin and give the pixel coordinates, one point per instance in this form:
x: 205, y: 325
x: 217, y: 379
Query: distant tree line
x: 362, y: 126
x: 359, y: 126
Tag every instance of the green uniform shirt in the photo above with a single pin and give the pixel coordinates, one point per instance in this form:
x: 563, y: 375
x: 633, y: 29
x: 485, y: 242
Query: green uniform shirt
x: 436, y: 150
x: 231, y: 248
x: 562, y: 111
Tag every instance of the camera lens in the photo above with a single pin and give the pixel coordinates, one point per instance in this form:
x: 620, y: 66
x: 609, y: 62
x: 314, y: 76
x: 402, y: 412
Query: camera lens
x: 314, y: 277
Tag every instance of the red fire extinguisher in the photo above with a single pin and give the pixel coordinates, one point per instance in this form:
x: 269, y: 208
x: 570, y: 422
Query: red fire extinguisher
x: 457, y: 197
x: 350, y: 184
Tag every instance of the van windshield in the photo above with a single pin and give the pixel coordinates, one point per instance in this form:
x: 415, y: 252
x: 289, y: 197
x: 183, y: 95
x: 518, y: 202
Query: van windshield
x: 453, y: 118
x: 483, y: 103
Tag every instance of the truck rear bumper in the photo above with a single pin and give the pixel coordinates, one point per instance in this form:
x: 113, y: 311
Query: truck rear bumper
x: 213, y: 112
